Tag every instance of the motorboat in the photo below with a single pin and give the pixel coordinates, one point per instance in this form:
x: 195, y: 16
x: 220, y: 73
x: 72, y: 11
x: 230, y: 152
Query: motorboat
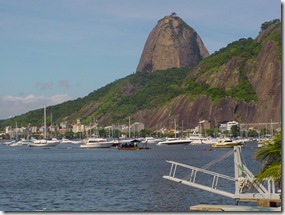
x: 198, y: 139
x: 65, y: 140
x: 209, y: 140
x: 96, y: 143
x: 151, y: 140
x: 24, y: 141
x: 76, y: 141
x: 44, y: 142
x: 174, y: 141
x: 195, y: 140
x: 134, y: 144
x: 7, y: 143
x: 15, y: 143
x: 226, y: 143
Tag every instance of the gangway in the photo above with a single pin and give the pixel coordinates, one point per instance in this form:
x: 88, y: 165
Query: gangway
x: 243, y: 180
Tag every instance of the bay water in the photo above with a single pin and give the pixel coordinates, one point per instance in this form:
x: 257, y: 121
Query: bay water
x: 68, y: 178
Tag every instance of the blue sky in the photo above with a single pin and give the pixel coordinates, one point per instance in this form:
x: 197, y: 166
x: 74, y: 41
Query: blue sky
x: 57, y: 50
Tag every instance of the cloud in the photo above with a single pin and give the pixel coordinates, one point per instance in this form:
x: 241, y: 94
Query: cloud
x: 64, y: 84
x: 44, y: 86
x: 16, y: 105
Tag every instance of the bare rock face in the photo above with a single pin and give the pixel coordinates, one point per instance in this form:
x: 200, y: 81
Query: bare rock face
x: 171, y: 44
x: 264, y: 73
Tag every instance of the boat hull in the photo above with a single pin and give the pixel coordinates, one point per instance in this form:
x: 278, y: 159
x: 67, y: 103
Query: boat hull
x: 132, y: 148
x: 92, y: 146
x: 226, y: 145
x: 42, y: 144
x: 174, y: 142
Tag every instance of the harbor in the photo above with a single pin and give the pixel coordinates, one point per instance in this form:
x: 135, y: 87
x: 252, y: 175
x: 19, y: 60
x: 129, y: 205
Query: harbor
x: 68, y: 178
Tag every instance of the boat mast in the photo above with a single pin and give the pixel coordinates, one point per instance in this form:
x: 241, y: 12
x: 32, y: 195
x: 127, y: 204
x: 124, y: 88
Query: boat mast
x: 16, y: 132
x: 45, y: 122
x: 51, y: 119
x: 175, y: 127
x: 129, y: 127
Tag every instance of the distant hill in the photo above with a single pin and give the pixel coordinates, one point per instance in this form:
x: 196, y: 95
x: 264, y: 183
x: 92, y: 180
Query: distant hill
x: 240, y: 82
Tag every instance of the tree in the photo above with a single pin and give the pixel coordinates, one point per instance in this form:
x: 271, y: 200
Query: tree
x: 69, y: 134
x: 271, y: 157
x: 235, y: 130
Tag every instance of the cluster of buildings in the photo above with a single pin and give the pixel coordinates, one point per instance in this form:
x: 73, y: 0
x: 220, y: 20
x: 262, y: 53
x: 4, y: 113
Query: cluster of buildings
x: 133, y: 128
x: 65, y: 127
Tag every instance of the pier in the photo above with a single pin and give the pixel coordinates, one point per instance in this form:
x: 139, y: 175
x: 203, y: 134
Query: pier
x: 246, y: 188
x: 205, y: 207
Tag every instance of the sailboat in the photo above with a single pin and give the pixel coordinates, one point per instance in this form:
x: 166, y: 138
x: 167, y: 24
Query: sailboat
x: 46, y: 142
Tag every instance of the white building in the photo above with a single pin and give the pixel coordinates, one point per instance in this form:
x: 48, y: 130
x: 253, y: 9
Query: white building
x: 78, y: 128
x: 230, y: 124
x: 8, y: 129
x: 227, y: 126
x: 34, y: 129
x: 137, y: 126
x: 64, y: 124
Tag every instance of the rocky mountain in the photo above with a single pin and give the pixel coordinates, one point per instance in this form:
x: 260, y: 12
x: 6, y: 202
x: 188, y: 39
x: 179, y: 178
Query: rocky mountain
x: 171, y: 44
x: 239, y: 82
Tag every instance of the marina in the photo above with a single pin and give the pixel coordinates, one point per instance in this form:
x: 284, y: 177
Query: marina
x: 68, y: 178
x: 196, y: 125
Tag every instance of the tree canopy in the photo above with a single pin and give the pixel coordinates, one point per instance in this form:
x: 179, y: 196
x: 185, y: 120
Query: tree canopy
x: 270, y: 154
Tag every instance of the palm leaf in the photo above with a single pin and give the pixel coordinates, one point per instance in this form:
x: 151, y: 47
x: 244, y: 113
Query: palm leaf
x: 271, y: 157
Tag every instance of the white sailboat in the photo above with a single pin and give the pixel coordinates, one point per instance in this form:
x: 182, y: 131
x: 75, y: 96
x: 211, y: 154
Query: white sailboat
x: 46, y: 142
x: 15, y: 142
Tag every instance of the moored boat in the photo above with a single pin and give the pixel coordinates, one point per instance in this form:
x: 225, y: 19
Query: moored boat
x: 95, y: 142
x: 134, y: 144
x: 174, y: 141
x: 226, y: 143
x: 65, y: 140
x: 15, y: 143
x: 44, y: 143
x: 198, y: 139
x: 151, y: 140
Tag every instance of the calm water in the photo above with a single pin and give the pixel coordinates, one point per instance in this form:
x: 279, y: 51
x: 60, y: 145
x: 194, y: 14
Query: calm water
x: 67, y: 178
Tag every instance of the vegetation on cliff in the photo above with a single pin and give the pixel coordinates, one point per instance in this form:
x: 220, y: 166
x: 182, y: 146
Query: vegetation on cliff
x: 244, y: 49
x: 116, y: 101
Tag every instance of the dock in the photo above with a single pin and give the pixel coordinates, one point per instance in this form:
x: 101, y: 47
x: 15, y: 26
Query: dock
x: 206, y: 207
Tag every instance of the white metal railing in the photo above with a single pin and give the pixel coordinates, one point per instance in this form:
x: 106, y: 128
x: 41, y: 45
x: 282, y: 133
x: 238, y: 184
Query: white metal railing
x: 195, y: 170
x: 241, y: 172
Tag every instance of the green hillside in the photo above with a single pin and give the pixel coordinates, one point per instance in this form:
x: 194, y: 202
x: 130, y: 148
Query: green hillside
x: 116, y: 101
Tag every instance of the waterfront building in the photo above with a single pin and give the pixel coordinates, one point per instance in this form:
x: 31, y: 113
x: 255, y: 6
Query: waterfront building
x: 64, y: 125
x: 8, y: 129
x: 203, y: 125
x: 78, y: 128
x: 227, y: 126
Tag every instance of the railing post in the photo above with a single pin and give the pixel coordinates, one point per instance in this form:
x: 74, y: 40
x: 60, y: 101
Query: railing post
x: 217, y: 178
x: 214, y: 178
x: 171, y: 169
x: 194, y: 178
x: 175, y: 166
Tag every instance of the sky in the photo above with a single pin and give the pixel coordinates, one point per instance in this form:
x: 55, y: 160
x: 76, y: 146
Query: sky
x: 58, y: 50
